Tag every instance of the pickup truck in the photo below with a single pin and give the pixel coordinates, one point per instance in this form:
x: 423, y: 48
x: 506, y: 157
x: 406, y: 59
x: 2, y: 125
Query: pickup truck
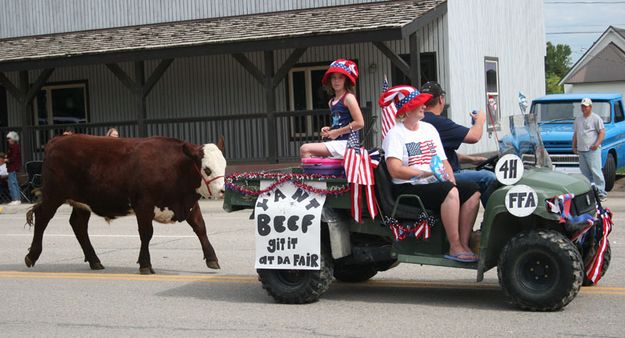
x: 556, y: 114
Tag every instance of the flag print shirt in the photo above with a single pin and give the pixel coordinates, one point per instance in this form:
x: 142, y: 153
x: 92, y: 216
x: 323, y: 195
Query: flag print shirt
x: 415, y: 149
x: 341, y: 116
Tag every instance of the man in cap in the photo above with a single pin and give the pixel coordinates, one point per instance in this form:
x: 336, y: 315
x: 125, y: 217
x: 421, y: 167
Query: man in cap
x: 588, y: 133
x: 453, y: 135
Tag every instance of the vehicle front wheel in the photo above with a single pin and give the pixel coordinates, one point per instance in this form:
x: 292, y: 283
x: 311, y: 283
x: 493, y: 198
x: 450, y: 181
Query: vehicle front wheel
x: 540, y: 270
x: 298, y: 286
x: 609, y: 172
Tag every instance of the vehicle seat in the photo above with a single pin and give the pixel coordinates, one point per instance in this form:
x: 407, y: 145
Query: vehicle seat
x: 410, y: 206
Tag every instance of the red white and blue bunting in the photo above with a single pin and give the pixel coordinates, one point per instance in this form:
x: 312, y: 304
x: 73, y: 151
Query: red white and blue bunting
x: 359, y: 165
x: 280, y: 178
x: 421, y: 228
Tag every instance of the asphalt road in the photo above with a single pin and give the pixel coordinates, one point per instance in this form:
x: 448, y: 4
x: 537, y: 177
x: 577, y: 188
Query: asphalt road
x: 60, y: 296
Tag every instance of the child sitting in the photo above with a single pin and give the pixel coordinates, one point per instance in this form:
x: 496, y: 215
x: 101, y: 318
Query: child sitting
x: 339, y: 80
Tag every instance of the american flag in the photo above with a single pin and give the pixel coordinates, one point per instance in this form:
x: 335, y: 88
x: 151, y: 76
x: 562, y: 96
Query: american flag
x: 420, y: 153
x: 359, y: 171
x: 388, y: 113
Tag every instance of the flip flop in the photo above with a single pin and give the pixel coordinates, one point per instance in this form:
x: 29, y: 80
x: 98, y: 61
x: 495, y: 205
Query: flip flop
x: 457, y: 258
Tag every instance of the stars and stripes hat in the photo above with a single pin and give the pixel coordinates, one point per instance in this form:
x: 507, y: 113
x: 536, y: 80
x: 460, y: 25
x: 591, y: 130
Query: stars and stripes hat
x: 406, y: 98
x: 345, y: 67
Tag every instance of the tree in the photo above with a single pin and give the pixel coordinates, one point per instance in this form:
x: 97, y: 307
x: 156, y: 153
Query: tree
x: 557, y: 63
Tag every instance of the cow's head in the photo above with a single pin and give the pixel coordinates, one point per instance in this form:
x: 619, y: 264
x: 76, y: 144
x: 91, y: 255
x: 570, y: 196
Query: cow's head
x: 213, y: 170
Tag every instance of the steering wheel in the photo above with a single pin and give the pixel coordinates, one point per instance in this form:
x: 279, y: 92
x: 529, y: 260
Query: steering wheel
x: 491, y: 161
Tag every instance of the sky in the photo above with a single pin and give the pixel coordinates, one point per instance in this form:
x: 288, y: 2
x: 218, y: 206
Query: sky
x: 579, y: 23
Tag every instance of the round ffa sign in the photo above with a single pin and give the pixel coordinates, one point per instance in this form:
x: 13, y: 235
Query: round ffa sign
x: 509, y: 169
x: 521, y: 200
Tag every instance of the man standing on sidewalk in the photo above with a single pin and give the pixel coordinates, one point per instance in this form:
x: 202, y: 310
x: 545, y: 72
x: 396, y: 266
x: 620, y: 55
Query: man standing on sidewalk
x: 588, y: 133
x: 453, y: 135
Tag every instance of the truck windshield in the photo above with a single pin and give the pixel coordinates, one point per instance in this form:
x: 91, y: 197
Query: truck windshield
x: 525, y: 141
x: 567, y: 111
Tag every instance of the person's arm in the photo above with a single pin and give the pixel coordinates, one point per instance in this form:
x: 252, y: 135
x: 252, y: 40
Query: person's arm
x: 358, y: 121
x: 574, y: 141
x: 449, y: 171
x: 397, y: 170
x: 475, y: 132
x: 462, y: 158
x: 599, y: 140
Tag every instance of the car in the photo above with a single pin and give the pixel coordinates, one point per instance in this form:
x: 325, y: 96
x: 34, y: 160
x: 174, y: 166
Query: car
x: 556, y: 114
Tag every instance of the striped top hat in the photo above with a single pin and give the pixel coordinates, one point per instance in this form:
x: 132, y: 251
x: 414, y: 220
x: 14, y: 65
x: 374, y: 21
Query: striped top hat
x: 406, y: 98
x: 345, y: 67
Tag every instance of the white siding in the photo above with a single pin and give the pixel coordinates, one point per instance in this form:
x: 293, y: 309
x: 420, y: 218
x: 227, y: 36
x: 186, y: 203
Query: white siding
x: 35, y: 17
x: 512, y: 31
x: 600, y: 87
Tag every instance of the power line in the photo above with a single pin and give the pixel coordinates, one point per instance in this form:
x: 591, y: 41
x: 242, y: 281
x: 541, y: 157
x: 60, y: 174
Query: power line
x: 584, y: 2
x: 566, y: 33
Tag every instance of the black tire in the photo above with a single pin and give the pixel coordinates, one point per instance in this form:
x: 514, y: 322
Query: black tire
x: 540, y: 270
x: 609, y: 172
x: 298, y: 286
x: 354, y: 274
x: 588, y: 261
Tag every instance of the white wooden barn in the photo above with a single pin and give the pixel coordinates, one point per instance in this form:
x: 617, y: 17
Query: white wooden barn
x: 250, y: 70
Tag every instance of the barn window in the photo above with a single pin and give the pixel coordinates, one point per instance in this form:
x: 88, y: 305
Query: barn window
x: 59, y: 104
x: 491, y: 75
x: 305, y: 92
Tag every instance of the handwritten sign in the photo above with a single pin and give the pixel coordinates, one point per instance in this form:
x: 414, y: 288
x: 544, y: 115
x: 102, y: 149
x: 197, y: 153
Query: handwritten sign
x: 288, y: 227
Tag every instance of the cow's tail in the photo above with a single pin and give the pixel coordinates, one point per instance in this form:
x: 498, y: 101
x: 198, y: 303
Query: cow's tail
x: 30, y: 214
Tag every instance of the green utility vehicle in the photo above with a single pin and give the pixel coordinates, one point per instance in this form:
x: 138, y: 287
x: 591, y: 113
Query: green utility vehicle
x: 539, y: 267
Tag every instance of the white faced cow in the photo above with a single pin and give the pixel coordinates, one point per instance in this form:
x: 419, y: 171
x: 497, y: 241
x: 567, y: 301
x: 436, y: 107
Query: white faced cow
x: 155, y: 178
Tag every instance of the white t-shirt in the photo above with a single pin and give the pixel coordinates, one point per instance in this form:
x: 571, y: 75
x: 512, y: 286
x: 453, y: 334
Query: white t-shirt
x: 3, y: 170
x: 414, y: 148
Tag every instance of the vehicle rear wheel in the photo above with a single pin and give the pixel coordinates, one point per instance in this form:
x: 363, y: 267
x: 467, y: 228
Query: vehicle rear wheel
x: 609, y: 172
x: 588, y: 255
x: 540, y: 270
x: 298, y: 286
x: 354, y: 274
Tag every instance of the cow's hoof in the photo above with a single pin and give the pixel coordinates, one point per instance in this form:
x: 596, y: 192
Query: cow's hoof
x: 28, y: 262
x: 213, y: 265
x: 146, y: 271
x: 96, y: 266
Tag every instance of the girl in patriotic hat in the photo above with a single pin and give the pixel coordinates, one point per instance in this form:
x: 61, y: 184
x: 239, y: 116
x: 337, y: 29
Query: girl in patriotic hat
x: 412, y: 148
x: 339, y: 80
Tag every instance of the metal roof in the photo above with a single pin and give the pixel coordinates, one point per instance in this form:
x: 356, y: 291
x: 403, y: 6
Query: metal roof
x: 379, y: 21
x: 578, y: 97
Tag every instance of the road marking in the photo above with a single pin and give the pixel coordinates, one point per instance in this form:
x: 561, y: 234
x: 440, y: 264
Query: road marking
x: 247, y: 279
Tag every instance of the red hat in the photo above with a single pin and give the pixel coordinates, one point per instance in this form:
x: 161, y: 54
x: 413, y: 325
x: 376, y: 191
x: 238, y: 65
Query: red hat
x: 406, y: 98
x: 345, y: 67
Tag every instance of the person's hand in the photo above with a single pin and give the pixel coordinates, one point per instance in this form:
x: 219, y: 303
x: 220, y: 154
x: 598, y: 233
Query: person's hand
x: 480, y: 117
x: 594, y: 147
x: 574, y: 150
x: 324, y: 132
x: 333, y: 134
x: 478, y: 159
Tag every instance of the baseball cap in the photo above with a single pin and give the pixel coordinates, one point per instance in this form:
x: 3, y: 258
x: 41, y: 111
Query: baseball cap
x: 586, y: 102
x: 433, y: 88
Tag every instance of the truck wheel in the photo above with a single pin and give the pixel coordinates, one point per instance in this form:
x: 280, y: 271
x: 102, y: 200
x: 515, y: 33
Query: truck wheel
x: 609, y: 172
x: 588, y: 260
x: 354, y: 274
x: 298, y: 286
x: 540, y: 270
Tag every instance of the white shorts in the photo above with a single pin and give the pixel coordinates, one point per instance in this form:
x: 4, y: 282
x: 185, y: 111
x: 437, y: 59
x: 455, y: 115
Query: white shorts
x: 336, y: 148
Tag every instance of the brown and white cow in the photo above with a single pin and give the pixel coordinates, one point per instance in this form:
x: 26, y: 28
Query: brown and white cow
x: 155, y: 178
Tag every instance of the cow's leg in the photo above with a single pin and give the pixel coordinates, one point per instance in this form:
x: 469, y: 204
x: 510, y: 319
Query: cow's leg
x: 197, y: 223
x: 144, y: 220
x: 43, y: 214
x: 80, y: 223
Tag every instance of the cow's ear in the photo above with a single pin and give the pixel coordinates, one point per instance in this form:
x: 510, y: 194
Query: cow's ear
x: 191, y: 151
x: 221, y: 143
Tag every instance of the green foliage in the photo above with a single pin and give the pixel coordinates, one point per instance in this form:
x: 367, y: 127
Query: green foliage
x: 557, y: 63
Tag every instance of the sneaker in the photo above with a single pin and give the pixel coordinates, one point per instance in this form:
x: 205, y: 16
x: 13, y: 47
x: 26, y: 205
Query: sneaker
x: 15, y: 202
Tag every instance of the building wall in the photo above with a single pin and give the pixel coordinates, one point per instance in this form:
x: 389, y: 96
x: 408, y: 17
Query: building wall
x: 512, y: 31
x: 217, y: 85
x: 599, y: 87
x: 35, y: 17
